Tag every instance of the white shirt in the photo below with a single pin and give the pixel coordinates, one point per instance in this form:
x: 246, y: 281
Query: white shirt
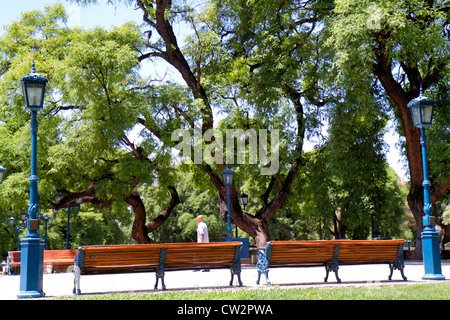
x: 202, y: 229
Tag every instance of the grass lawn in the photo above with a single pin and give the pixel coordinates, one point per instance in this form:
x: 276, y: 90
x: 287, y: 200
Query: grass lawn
x: 426, y: 291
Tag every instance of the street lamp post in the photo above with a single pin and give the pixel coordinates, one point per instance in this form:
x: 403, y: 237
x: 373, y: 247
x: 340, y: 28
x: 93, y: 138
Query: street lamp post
x: 32, y: 248
x: 227, y: 176
x: 23, y: 217
x: 244, y: 200
x: 46, y: 219
x: 421, y: 110
x: 68, y: 210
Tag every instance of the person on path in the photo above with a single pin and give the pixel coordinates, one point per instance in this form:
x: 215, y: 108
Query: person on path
x: 202, y: 233
x: 202, y: 230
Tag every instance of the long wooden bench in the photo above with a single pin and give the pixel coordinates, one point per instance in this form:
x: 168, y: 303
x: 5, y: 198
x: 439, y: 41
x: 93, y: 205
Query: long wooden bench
x: 62, y: 259
x: 157, y: 258
x: 331, y: 254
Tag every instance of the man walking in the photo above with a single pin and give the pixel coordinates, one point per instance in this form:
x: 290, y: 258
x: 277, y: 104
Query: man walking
x: 202, y: 230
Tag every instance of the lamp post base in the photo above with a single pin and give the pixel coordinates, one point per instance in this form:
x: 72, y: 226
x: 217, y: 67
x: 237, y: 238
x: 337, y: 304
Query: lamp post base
x: 431, y: 254
x: 30, y: 294
x: 433, y: 277
x: 31, y: 268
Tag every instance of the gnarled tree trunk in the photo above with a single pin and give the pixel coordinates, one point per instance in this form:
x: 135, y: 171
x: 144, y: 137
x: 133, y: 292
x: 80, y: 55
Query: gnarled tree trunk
x: 141, y: 229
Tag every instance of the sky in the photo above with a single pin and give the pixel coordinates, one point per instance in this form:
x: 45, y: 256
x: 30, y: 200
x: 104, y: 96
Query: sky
x: 108, y: 16
x: 88, y: 17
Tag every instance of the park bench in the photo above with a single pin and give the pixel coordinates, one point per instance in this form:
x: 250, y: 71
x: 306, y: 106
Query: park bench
x: 331, y: 254
x: 55, y: 259
x: 157, y: 258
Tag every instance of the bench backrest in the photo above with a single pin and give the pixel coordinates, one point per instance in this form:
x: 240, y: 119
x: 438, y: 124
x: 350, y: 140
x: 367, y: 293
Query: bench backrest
x: 147, y: 257
x: 118, y: 257
x: 50, y: 256
x: 345, y: 251
x: 201, y: 255
x: 14, y: 258
x: 369, y: 251
x: 292, y: 252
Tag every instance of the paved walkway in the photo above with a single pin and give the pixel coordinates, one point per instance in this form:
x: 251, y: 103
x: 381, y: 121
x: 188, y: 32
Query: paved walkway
x: 61, y: 284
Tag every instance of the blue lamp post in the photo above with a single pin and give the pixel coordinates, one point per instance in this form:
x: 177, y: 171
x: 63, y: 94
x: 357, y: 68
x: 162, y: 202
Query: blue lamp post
x: 2, y: 174
x: 46, y: 219
x: 32, y: 248
x: 227, y: 176
x: 421, y: 110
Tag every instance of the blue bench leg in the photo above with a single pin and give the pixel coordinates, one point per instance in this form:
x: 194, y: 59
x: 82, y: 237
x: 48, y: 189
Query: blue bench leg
x: 267, y: 277
x: 266, y: 274
x: 262, y: 266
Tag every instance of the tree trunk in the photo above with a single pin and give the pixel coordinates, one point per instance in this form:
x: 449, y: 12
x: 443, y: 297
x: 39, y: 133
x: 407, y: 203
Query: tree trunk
x: 141, y: 229
x: 257, y: 228
x: 339, y: 228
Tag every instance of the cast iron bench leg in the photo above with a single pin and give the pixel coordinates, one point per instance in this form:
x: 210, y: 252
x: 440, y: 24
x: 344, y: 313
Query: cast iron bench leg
x: 262, y: 266
x: 235, y: 270
x: 398, y: 263
x: 332, y: 266
x: 160, y: 275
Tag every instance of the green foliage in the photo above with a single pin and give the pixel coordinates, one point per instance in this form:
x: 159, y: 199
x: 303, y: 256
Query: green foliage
x: 414, y: 37
x: 323, y: 196
x: 412, y: 32
x: 182, y: 224
x: 8, y: 238
x: 438, y: 134
x: 263, y: 64
x: 90, y: 105
x: 86, y: 228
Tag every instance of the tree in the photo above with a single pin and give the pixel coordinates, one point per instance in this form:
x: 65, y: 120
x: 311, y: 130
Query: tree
x: 265, y: 77
x: 94, y: 87
x: 405, y: 46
